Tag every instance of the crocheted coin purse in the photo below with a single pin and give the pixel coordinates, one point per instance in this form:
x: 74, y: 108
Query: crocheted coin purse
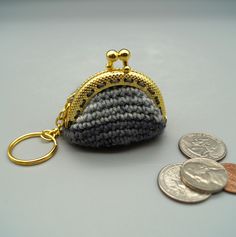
x: 112, y: 108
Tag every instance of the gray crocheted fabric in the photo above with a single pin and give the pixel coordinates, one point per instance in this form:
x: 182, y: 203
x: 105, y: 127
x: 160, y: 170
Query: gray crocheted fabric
x: 116, y: 116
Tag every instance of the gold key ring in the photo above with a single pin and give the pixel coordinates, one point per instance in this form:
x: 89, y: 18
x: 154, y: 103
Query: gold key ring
x: 45, y: 136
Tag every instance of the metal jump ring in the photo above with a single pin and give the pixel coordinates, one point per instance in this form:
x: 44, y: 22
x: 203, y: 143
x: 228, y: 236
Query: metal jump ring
x: 43, y: 135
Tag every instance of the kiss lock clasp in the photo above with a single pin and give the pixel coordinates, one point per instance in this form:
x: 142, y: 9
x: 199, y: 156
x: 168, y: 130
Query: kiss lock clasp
x: 113, y: 56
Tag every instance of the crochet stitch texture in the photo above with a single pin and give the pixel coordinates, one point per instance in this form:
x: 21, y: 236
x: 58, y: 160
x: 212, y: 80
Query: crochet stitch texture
x: 116, y: 116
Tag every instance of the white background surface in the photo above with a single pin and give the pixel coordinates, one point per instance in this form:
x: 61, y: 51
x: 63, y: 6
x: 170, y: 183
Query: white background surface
x: 47, y: 49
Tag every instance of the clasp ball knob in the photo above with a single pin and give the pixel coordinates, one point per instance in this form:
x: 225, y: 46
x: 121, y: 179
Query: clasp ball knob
x: 112, y: 55
x: 124, y: 54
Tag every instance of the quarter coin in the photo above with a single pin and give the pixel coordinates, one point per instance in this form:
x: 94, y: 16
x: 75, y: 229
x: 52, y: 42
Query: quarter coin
x: 170, y: 183
x: 204, y: 175
x: 231, y: 184
x: 202, y: 145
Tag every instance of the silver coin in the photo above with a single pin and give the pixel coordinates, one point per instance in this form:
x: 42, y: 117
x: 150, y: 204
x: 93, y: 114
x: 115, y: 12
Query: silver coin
x: 170, y: 183
x: 204, y: 175
x: 202, y: 145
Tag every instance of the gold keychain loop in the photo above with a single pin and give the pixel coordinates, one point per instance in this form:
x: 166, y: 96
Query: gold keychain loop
x: 47, y: 135
x: 44, y: 135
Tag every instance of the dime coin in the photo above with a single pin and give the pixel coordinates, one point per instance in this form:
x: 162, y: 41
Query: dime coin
x: 204, y: 175
x: 202, y: 145
x: 170, y: 183
x: 231, y: 184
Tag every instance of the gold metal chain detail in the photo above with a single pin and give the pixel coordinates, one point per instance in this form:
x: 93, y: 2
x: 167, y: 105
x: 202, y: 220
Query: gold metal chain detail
x: 61, y: 118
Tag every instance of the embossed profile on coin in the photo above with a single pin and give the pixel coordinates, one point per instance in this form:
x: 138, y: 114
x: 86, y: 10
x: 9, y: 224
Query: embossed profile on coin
x: 170, y: 183
x: 203, y: 146
x: 204, y: 175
